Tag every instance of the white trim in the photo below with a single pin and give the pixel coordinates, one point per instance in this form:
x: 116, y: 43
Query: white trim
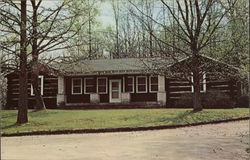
x: 150, y: 90
x: 105, y: 86
x: 145, y: 84
x: 123, y: 84
x: 192, y: 81
x: 31, y: 87
x: 203, y: 83
x: 72, y: 86
x: 86, y: 85
x: 111, y: 100
x: 133, y: 84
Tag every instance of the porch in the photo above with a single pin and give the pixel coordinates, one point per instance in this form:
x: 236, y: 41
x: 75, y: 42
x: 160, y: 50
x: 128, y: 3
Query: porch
x: 107, y: 91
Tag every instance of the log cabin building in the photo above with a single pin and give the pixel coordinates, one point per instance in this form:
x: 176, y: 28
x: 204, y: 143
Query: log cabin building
x: 112, y: 82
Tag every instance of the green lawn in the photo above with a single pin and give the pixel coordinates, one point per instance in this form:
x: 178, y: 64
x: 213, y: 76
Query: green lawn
x: 51, y: 120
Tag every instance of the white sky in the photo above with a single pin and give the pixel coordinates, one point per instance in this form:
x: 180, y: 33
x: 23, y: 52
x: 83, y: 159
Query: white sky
x: 106, y: 12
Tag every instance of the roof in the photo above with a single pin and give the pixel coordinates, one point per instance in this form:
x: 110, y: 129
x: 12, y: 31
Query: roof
x: 118, y: 66
x: 123, y: 65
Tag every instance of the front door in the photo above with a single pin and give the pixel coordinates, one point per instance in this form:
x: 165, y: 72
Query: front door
x: 115, y: 91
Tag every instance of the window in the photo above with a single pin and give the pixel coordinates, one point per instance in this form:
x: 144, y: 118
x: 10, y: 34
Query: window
x: 102, y: 85
x: 202, y: 83
x: 76, y: 86
x: 153, y: 82
x: 141, y: 84
x: 89, y: 85
x: 130, y: 84
x: 40, y: 86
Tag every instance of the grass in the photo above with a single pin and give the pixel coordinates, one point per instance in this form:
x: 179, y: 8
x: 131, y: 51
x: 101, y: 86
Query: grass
x: 52, y: 120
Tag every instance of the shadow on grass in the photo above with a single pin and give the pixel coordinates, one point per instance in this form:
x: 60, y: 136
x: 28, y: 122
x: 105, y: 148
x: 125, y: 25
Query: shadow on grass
x: 41, y: 112
x: 38, y: 110
x: 38, y: 113
x: 10, y: 126
x: 180, y: 118
x: 8, y: 116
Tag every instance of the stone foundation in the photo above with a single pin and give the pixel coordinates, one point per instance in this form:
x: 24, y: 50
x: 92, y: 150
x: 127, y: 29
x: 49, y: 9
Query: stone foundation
x: 125, y: 97
x: 94, y: 98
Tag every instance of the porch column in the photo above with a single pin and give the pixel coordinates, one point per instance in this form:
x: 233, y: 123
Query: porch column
x: 61, y: 97
x: 161, y: 94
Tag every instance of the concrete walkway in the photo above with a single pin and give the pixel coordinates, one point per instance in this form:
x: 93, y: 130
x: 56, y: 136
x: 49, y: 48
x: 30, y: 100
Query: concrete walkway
x: 226, y: 141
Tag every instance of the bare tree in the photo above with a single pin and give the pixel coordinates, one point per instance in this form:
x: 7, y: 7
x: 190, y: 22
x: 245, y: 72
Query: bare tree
x: 47, y: 29
x: 23, y: 88
x: 116, y: 10
x: 86, y: 43
x: 195, y: 31
x: 46, y: 35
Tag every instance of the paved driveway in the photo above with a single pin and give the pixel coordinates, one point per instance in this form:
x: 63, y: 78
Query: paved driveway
x: 209, y: 142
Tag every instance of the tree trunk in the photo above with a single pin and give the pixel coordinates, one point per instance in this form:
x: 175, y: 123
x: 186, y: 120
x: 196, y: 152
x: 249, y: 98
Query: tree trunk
x: 151, y: 44
x: 197, y: 94
x: 90, y: 38
x: 22, y: 116
x: 34, y: 80
x: 35, y: 68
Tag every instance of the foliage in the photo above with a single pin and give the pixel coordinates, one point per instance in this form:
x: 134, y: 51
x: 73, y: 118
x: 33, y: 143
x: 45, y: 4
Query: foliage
x: 243, y: 101
x: 87, y: 44
x: 52, y: 120
x: 217, y: 100
x: 185, y: 101
x: 212, y: 99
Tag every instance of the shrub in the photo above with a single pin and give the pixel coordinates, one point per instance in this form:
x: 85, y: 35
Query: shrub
x: 185, y: 101
x: 242, y: 101
x: 217, y: 100
x: 208, y: 100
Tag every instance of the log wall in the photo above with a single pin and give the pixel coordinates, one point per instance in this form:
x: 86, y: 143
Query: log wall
x: 49, y: 91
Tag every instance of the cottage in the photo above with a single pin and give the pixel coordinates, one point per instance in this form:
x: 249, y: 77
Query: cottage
x: 108, y: 82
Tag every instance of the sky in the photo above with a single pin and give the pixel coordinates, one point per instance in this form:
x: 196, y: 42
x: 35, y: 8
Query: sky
x: 106, y: 16
x: 106, y: 12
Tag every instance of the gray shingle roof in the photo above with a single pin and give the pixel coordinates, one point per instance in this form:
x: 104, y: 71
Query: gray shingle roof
x: 122, y: 65
x: 118, y: 66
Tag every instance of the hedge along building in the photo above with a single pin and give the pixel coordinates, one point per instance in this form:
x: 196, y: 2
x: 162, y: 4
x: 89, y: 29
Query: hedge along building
x: 127, y: 82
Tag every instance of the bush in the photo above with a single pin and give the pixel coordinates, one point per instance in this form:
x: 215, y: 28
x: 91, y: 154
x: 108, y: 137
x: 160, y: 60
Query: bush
x: 242, y: 101
x: 185, y: 101
x: 208, y: 100
x: 217, y: 100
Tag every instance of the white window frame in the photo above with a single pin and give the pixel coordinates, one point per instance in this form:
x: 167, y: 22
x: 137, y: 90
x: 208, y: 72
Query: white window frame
x: 72, y: 85
x: 150, y: 83
x: 86, y: 85
x: 138, y: 85
x: 31, y: 87
x: 105, y: 84
x: 203, y: 83
x: 133, y: 84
